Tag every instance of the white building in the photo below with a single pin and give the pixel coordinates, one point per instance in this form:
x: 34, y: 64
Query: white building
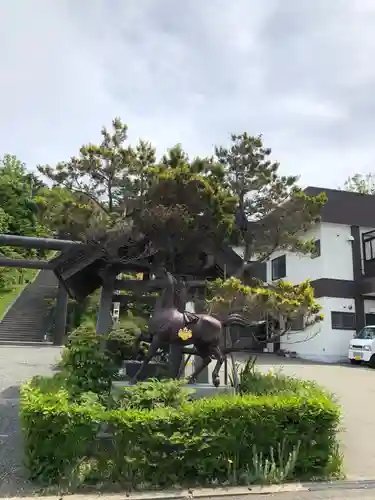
x: 342, y: 275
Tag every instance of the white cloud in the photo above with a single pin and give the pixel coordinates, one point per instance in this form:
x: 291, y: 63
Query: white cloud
x: 306, y: 107
x: 301, y: 73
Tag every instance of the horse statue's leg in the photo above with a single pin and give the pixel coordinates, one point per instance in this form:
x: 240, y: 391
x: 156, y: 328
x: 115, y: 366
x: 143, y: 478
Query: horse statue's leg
x: 206, y: 360
x: 154, y: 346
x: 176, y: 356
x: 216, y: 352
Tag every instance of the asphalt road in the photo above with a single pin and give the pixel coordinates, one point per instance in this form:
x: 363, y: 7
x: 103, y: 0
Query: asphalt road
x: 17, y: 365
x: 306, y: 495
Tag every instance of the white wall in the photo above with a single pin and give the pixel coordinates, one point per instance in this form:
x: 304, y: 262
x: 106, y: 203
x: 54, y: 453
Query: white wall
x: 239, y: 251
x: 335, y: 261
x: 299, y: 267
x: 337, y: 252
x: 320, y: 342
x: 369, y: 306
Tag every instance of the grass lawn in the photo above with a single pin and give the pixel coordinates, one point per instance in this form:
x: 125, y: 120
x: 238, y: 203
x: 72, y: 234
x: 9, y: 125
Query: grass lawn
x: 8, y: 296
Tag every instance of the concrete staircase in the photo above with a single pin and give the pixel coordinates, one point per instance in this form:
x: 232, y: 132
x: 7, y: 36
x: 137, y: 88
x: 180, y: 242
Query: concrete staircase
x: 30, y: 316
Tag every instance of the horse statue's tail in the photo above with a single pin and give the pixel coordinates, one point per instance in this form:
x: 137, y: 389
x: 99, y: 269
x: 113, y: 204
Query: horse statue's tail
x: 236, y: 319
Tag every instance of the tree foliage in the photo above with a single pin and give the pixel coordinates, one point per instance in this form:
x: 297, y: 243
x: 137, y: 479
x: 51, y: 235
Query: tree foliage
x: 17, y: 187
x: 186, y: 205
x: 5, y: 220
x: 99, y: 170
x: 281, y: 300
x: 272, y: 210
x: 69, y: 214
x: 181, y: 205
x: 17, y: 213
x: 361, y: 183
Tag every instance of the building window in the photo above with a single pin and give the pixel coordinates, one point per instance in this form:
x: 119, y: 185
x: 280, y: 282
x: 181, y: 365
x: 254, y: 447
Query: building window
x: 278, y: 267
x: 298, y: 323
x: 316, y: 251
x: 342, y: 320
x: 370, y: 249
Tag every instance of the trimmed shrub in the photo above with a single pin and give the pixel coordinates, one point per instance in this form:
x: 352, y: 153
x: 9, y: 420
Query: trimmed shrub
x: 252, y: 381
x: 154, y: 394
x: 122, y: 341
x: 207, y: 441
x: 85, y: 363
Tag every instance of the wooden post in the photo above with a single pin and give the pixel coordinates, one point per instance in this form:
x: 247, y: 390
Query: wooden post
x: 61, y: 311
x: 104, y: 320
x: 226, y: 333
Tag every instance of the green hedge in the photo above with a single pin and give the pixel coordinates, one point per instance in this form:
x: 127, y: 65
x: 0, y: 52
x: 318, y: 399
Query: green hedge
x: 277, y: 383
x: 208, y: 441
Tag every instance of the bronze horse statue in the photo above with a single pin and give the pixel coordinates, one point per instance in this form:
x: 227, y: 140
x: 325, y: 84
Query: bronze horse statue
x: 165, y: 327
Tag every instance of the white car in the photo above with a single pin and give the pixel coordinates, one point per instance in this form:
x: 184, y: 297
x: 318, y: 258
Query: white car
x: 362, y: 347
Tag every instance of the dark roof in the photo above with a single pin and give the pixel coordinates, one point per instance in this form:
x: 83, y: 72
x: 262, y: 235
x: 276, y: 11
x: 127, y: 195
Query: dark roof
x: 345, y: 207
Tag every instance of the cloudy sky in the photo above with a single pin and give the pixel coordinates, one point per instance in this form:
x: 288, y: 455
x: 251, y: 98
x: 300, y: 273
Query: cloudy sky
x: 301, y: 72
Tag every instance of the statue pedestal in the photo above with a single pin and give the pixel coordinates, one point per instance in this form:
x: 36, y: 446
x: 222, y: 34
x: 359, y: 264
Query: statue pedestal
x: 208, y: 390
x: 153, y: 369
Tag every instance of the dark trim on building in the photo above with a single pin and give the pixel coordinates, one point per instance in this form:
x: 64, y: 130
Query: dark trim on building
x: 357, y: 275
x: 367, y: 285
x: 255, y: 270
x: 326, y: 287
x: 341, y: 207
x: 369, y: 297
x: 345, y: 207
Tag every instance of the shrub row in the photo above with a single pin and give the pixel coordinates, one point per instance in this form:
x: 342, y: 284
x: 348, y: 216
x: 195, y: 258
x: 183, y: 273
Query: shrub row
x: 276, y: 383
x: 201, y: 442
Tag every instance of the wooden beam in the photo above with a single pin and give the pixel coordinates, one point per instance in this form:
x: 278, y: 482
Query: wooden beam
x: 37, y: 243
x: 25, y: 263
x: 104, y: 318
x: 61, y: 312
x: 151, y: 285
x: 126, y: 299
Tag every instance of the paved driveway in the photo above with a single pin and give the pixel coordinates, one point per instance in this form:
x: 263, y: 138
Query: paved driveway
x: 17, y: 365
x: 355, y: 388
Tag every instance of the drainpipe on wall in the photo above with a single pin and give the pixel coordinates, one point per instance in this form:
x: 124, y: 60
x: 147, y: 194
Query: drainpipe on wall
x: 357, y: 275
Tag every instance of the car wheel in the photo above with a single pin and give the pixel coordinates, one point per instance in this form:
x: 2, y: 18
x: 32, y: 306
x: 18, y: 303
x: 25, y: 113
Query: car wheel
x: 372, y: 362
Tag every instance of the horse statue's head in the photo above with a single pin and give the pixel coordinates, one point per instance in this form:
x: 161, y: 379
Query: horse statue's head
x: 167, y: 298
x: 162, y: 273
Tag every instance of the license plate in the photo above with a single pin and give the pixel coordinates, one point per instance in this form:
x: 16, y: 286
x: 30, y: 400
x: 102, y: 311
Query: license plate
x: 357, y: 356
